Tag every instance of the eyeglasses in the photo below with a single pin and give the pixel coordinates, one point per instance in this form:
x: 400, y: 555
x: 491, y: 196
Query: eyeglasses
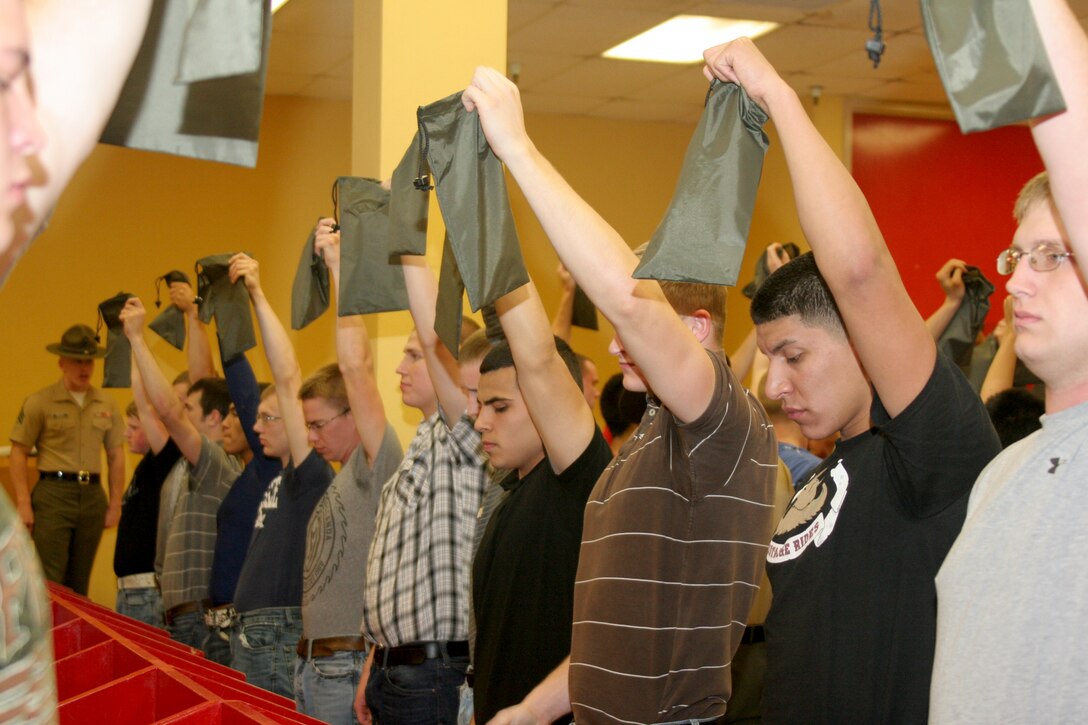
x: 265, y: 418
x: 1043, y: 258
x: 319, y: 424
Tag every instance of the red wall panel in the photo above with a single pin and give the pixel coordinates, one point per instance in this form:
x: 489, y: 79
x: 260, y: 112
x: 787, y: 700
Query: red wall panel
x: 938, y: 194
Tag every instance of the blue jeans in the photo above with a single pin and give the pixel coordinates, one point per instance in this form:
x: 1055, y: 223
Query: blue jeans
x: 416, y: 694
x: 325, y: 686
x: 143, y: 605
x: 189, y: 629
x: 262, y: 646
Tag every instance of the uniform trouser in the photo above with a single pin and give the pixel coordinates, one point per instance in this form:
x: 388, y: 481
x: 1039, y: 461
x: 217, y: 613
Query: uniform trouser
x: 68, y: 521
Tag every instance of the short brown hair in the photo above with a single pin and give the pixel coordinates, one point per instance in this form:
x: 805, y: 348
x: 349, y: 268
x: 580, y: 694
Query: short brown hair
x: 132, y: 411
x: 687, y: 298
x: 1036, y: 191
x: 474, y: 348
x: 327, y: 383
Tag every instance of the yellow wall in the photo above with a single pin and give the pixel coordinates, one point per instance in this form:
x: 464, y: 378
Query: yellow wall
x: 130, y: 216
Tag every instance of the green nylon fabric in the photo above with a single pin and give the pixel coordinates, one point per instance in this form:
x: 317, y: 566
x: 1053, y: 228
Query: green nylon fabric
x: 117, y: 365
x: 408, y: 205
x: 991, y: 61
x: 370, y: 280
x: 958, y: 339
x: 583, y: 314
x: 471, y: 188
x: 448, y: 309
x: 184, y: 94
x: 310, y: 290
x: 226, y: 303
x: 170, y: 323
x: 705, y: 229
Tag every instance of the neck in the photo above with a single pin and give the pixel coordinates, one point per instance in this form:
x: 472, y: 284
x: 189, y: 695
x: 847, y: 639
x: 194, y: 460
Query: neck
x: 247, y: 456
x: 1059, y: 398
x: 527, y: 468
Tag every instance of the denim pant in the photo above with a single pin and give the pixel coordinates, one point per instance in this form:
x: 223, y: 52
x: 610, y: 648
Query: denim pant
x: 416, y: 694
x: 262, y: 646
x: 325, y: 686
x: 189, y: 629
x: 143, y: 605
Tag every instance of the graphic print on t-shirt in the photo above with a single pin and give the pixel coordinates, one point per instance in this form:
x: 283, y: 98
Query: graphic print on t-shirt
x: 270, y: 500
x: 326, y: 539
x: 811, y: 516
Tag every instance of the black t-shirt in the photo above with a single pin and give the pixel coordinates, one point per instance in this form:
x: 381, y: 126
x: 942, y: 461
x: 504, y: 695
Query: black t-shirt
x: 523, y: 578
x: 137, y: 530
x: 272, y: 573
x: 851, y: 631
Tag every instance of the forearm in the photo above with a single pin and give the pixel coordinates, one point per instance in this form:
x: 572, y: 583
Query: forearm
x: 277, y: 346
x: 1002, y: 370
x: 199, y: 350
x: 550, y: 700
x: 564, y: 314
x: 19, y: 470
x: 938, y: 322
x: 116, y: 473
x: 441, y: 365
x: 157, y: 437
x: 160, y: 393
x: 741, y: 359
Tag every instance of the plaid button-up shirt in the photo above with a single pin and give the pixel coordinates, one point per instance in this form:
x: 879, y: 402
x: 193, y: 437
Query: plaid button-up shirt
x: 420, y: 560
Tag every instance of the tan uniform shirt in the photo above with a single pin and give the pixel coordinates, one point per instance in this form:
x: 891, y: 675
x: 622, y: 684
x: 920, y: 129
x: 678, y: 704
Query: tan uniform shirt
x: 69, y: 438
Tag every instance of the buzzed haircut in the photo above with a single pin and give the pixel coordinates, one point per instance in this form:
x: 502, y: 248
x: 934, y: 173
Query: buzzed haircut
x: 213, y: 395
x: 267, y: 390
x: 181, y: 378
x: 687, y: 298
x: 131, y: 411
x: 798, y: 288
x: 474, y: 347
x: 1037, y: 190
x: 501, y: 357
x: 327, y: 383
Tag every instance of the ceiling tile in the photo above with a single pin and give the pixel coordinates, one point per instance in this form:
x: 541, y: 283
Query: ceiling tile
x: 316, y: 17
x: 928, y: 93
x: 285, y: 84
x: 854, y: 14
x: 802, y: 47
x: 747, y: 11
x: 583, y: 30
x: 829, y: 85
x: 539, y: 67
x: 541, y: 103
x: 906, y: 54
x: 670, y: 6
x: 332, y: 89
x: 304, y: 53
x: 606, y: 78
x: 650, y: 111
x: 520, y: 13
x: 343, y: 69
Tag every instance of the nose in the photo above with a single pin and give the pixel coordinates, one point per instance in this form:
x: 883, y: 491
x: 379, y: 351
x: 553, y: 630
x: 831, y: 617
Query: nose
x: 776, y: 385
x: 483, y: 419
x: 27, y: 136
x: 1021, y: 281
x: 615, y: 347
x: 472, y: 406
x: 311, y: 435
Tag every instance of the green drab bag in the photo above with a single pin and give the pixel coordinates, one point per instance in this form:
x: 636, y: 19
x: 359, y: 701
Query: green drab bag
x: 705, y: 229
x: 310, y: 290
x: 370, y: 280
x: 170, y: 323
x: 117, y: 366
x: 991, y: 61
x: 226, y: 303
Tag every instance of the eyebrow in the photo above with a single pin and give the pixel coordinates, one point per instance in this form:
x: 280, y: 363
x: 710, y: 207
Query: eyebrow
x: 782, y: 344
x: 496, y: 399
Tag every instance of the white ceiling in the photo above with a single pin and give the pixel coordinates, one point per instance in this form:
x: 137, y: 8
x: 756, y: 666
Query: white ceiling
x: 557, y: 46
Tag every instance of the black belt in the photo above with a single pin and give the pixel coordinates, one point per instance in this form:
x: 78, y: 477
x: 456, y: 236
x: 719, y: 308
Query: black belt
x: 75, y: 477
x: 174, y: 612
x: 416, y: 653
x: 753, y: 635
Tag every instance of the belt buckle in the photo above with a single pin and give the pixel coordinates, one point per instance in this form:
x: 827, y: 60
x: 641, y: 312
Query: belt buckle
x: 84, y: 476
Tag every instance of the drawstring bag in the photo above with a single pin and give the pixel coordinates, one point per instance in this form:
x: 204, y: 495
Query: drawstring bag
x: 448, y: 310
x: 370, y: 281
x: 471, y: 188
x: 583, y: 314
x: 750, y: 289
x: 958, y: 339
x: 226, y: 303
x: 310, y: 291
x: 408, y: 201
x: 117, y: 367
x: 991, y: 61
x: 170, y: 323
x: 196, y: 87
x: 705, y: 229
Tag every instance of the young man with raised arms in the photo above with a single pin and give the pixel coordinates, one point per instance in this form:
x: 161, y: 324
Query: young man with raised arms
x: 676, y: 528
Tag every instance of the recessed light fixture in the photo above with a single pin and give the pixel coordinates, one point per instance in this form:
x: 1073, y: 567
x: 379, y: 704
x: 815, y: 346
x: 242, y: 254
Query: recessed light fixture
x: 277, y: 4
x: 683, y: 39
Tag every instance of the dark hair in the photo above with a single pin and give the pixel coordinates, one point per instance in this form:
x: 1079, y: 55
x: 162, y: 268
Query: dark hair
x: 620, y: 407
x: 1015, y: 414
x: 797, y: 288
x: 131, y: 411
x: 501, y: 357
x: 213, y: 395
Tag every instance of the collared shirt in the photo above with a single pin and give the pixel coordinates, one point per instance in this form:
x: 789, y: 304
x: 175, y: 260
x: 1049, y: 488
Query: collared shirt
x: 69, y: 437
x: 418, y: 568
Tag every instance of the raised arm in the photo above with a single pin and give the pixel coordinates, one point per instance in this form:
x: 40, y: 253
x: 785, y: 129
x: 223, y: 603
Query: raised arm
x: 671, y: 358
x: 554, y: 399
x: 286, y: 374
x: 353, y: 353
x: 564, y: 313
x: 81, y: 53
x: 198, y: 351
x: 844, y: 237
x: 950, y: 278
x: 160, y: 393
x: 441, y: 365
x: 157, y: 437
x: 1063, y: 138
x: 1002, y: 370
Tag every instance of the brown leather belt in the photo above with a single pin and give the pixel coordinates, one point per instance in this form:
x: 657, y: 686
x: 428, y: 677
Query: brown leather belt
x: 74, y: 477
x: 174, y: 612
x: 416, y: 653
x: 328, y: 646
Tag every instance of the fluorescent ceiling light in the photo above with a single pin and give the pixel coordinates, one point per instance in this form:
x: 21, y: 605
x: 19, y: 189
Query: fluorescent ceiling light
x: 277, y: 4
x: 684, y: 38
